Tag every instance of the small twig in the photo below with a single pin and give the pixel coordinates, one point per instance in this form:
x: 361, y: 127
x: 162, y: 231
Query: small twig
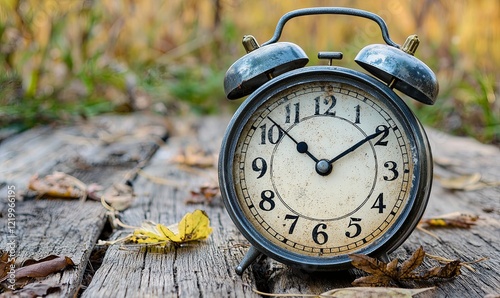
x: 162, y: 181
x: 284, y: 295
x: 446, y: 261
x: 420, y: 228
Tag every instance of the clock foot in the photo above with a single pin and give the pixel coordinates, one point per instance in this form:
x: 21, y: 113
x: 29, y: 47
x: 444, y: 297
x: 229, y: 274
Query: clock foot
x: 248, y: 259
x: 384, y: 258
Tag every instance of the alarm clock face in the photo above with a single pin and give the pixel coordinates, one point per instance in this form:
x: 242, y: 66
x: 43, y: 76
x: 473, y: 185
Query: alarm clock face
x: 322, y: 164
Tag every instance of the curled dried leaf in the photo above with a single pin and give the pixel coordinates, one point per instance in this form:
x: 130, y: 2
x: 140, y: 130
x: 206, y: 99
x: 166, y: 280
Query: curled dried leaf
x: 383, y: 274
x: 368, y: 264
x: 58, y: 185
x: 43, y: 267
x: 466, y: 182
x: 451, y: 220
x: 449, y: 270
x: 195, y: 157
x: 412, y: 263
x: 119, y: 196
x: 205, y: 194
x: 362, y: 292
x: 356, y: 292
x: 6, y: 263
x: 193, y: 226
x: 378, y: 280
x: 36, y: 290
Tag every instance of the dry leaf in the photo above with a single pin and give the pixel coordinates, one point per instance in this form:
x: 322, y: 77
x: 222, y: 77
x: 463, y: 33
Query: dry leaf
x: 466, y: 182
x: 195, y: 157
x: 449, y: 270
x: 43, y: 267
x: 464, y: 264
x: 357, y: 292
x: 59, y: 185
x: 193, y: 226
x: 451, y: 220
x: 411, y: 264
x: 36, y: 290
x: 119, y: 196
x: 205, y: 194
x: 37, y: 268
x: 6, y: 264
x: 363, y: 292
x: 384, y: 274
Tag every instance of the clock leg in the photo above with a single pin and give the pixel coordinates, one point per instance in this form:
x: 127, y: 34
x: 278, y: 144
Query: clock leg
x: 248, y: 259
x: 384, y: 258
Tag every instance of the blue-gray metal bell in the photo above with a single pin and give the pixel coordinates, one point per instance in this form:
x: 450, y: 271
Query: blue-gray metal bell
x: 260, y: 65
x: 401, y: 70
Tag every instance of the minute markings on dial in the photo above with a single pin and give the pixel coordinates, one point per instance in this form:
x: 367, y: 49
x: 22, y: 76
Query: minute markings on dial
x: 301, y: 146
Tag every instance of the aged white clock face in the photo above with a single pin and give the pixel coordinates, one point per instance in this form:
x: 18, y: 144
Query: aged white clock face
x: 323, y: 169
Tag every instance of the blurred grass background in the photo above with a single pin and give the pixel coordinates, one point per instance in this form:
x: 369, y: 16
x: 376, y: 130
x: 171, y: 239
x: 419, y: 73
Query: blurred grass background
x: 63, y: 60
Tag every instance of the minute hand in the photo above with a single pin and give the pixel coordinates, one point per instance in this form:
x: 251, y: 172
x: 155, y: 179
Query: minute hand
x: 356, y: 146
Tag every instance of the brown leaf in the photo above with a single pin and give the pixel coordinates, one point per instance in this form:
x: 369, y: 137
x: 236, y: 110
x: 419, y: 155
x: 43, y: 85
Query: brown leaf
x: 412, y: 263
x: 205, y: 194
x: 384, y: 274
x: 393, y: 266
x: 377, y: 280
x: 363, y: 292
x: 451, y: 220
x: 37, y: 290
x: 195, y: 157
x: 466, y: 182
x: 449, y: 270
x: 5, y: 264
x: 368, y: 264
x: 459, y: 182
x: 43, y: 267
x: 58, y: 185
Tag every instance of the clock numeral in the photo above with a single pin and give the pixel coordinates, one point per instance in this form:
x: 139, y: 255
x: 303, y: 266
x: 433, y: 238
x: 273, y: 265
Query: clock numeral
x: 391, y: 165
x: 262, y: 168
x: 326, y: 101
x: 288, y: 113
x: 385, y: 133
x: 267, y: 203
x: 320, y: 237
x: 358, y: 110
x: 353, y: 223
x: 271, y: 134
x: 295, y: 218
x: 379, y: 203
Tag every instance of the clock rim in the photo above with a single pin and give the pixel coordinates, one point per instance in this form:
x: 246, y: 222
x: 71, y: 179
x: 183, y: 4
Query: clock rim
x: 412, y: 212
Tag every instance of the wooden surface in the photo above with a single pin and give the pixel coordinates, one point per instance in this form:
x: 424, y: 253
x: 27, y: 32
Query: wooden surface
x: 112, y: 149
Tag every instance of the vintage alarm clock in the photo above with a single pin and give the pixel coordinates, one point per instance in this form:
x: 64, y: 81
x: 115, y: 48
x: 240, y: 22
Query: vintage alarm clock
x: 321, y: 162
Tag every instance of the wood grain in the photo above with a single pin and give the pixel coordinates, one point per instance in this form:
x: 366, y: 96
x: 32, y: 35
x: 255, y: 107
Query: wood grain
x: 204, y: 269
x: 70, y: 227
x: 113, y: 149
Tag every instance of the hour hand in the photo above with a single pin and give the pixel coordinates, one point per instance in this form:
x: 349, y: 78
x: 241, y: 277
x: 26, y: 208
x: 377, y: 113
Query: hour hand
x: 301, y: 146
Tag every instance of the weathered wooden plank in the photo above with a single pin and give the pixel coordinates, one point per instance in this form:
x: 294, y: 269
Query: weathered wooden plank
x: 202, y: 269
x: 207, y: 268
x: 482, y: 240
x: 106, y: 150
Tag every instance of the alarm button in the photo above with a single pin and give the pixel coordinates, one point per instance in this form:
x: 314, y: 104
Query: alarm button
x: 330, y: 56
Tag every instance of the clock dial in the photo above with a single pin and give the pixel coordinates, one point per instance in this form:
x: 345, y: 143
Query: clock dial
x: 323, y: 168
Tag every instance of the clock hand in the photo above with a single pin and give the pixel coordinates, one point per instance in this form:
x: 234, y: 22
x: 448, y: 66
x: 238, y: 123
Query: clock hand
x: 357, y: 145
x: 301, y: 146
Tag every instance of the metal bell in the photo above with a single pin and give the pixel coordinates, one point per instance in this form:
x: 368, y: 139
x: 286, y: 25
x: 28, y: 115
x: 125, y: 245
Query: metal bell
x: 260, y: 64
x: 400, y: 69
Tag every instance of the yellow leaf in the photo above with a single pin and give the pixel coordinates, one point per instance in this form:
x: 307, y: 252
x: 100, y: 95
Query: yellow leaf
x: 193, y: 226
